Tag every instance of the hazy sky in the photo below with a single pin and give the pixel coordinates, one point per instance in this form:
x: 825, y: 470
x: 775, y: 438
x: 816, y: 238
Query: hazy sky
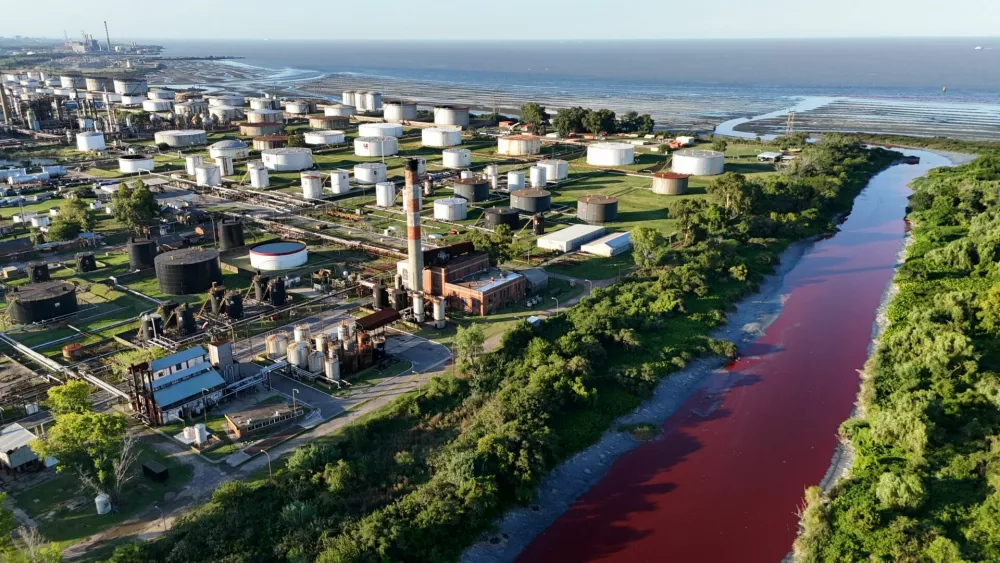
x: 501, y: 19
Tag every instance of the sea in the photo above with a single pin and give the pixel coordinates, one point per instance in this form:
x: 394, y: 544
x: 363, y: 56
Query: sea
x: 710, y: 79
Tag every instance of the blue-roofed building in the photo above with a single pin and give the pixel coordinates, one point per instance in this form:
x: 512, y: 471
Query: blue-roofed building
x: 178, y: 362
x: 188, y: 391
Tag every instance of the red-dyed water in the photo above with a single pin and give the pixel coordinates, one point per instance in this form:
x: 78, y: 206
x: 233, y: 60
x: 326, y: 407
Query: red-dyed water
x: 725, y: 481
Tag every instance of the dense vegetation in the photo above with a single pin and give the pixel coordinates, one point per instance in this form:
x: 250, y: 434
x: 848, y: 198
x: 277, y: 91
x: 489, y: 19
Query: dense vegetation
x: 583, y: 120
x: 925, y: 484
x: 422, y: 478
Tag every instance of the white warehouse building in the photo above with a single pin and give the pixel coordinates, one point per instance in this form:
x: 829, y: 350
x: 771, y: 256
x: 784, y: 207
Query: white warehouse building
x: 571, y: 238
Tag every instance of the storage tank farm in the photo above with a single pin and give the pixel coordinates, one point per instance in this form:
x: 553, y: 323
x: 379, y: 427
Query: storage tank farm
x: 188, y: 271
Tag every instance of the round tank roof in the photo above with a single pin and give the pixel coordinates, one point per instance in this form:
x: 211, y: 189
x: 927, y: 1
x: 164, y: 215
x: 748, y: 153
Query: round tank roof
x: 229, y: 144
x: 289, y: 150
x: 282, y: 248
x: 43, y: 290
x: 533, y: 192
x: 187, y: 256
x: 700, y: 153
x: 595, y: 199
x: 671, y: 175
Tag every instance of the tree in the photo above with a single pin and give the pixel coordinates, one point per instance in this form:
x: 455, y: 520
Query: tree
x: 899, y: 491
x: 989, y: 314
x: 30, y: 547
x: 592, y: 122
x: 76, y: 210
x: 71, y: 397
x: 134, y: 206
x: 469, y: 343
x: 688, y: 215
x: 61, y: 229
x: 733, y: 192
x: 498, y: 244
x: 629, y: 122
x: 296, y: 140
x: 719, y: 144
x: 124, y: 360
x: 645, y: 124
x: 534, y: 115
x: 647, y: 246
x: 7, y: 523
x: 569, y: 121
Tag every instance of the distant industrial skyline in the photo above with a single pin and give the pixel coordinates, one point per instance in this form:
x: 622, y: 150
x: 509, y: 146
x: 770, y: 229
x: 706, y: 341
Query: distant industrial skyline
x: 513, y: 19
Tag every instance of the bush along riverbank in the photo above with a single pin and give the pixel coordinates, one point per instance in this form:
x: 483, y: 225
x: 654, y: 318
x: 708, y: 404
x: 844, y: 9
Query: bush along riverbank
x: 424, y: 477
x: 925, y: 482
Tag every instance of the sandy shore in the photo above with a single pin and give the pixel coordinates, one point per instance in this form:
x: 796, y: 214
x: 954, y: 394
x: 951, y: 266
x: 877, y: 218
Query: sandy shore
x: 579, y: 473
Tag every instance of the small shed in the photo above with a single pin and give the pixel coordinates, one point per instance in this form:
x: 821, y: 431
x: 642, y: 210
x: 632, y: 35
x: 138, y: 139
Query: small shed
x: 15, y: 453
x: 537, y: 279
x: 769, y: 157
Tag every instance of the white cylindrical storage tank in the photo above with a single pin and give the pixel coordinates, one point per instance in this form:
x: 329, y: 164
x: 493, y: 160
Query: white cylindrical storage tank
x: 265, y: 103
x: 231, y: 148
x: 259, y: 178
x: 340, y: 110
x: 399, y: 110
x: 281, y: 255
x: 421, y: 165
x: 369, y: 172
x: 264, y: 116
x: 287, y: 159
x: 375, y: 146
x: 222, y: 113
x: 698, y: 162
x: 454, y: 115
x: 225, y: 165
x: 555, y: 169
x: 181, y: 138
x: 417, y: 299
x: 207, y: 175
x: 302, y: 332
x: 298, y: 107
x: 200, y: 433
x: 191, y: 162
x: 90, y: 141
x: 224, y: 100
x: 191, y: 108
x: 323, y: 137
x: 380, y: 130
x: 320, y: 342
x: 64, y: 92
x: 515, y: 180
x: 132, y: 101
x: 441, y: 137
x: 451, y: 209
x: 297, y: 355
x: 160, y: 94
x: 348, y: 98
x: 316, y: 360
x: 103, y: 504
x: 467, y: 175
x: 439, y: 310
x: 276, y: 345
x: 456, y: 158
x: 135, y: 163
x: 340, y: 182
x: 71, y: 82
x: 537, y: 176
x: 131, y: 87
x: 157, y: 105
x: 332, y: 368
x: 312, y: 185
x: 611, y: 154
x: 385, y: 194
x: 373, y: 101
x: 519, y: 145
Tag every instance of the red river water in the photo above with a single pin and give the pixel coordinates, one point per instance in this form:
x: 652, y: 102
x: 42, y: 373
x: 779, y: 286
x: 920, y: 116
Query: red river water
x: 725, y: 480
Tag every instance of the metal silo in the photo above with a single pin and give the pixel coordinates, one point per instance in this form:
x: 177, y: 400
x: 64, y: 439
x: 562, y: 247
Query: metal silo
x: 597, y: 208
x: 555, y: 169
x: 449, y: 114
x: 670, y: 183
x: 531, y: 201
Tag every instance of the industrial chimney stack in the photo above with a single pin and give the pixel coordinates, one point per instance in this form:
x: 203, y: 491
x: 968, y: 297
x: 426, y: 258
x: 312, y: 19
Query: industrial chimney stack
x: 415, y: 255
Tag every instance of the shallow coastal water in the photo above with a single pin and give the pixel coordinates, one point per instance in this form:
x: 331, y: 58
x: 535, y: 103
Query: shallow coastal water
x: 725, y: 480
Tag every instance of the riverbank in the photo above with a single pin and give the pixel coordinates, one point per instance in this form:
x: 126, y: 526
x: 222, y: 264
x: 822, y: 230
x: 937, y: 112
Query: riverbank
x: 581, y: 472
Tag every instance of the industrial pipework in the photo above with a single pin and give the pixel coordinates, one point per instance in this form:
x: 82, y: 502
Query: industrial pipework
x: 415, y: 258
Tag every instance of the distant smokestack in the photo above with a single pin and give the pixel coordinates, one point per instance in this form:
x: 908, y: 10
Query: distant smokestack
x: 415, y: 256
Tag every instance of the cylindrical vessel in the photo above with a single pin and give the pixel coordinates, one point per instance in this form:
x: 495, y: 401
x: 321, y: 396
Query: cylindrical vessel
x: 555, y: 170
x: 234, y: 305
x: 188, y: 271
x: 157, y: 105
x: 38, y: 272
x: 519, y: 145
x: 531, y: 200
x: 160, y: 94
x: 698, y: 162
x: 302, y: 332
x: 340, y: 110
x: 375, y: 146
x: 261, y: 129
x: 380, y: 130
x: 41, y: 301
x: 397, y: 299
x: 472, y: 190
x: 269, y: 142
x: 227, y: 100
x: 135, y: 163
x: 264, y: 116
x: 71, y: 81
x: 332, y: 137
x: 385, y: 194
x: 265, y: 103
x: 327, y: 122
x: 98, y: 84
x: 298, y: 355
x: 373, y: 101
x: 287, y: 159
x: 130, y: 86
x: 276, y: 344
x: 231, y: 234
x: 225, y: 165
x: 369, y: 172
x: 312, y: 185
x: 417, y: 298
x: 610, y: 154
x: 456, y: 158
x: 232, y: 148
x: 320, y: 340
x: 451, y: 209
x: 340, y: 182
x: 223, y: 113
x: 258, y: 173
x: 399, y: 110
x: 454, y: 115
x: 515, y: 180
x: 276, y: 292
x: 670, y: 183
x: 439, y: 312
x: 191, y: 162
x: 597, y: 209
x: 537, y: 175
x: 85, y: 262
x: 332, y: 368
x: 496, y: 216
x: 316, y: 360
x: 380, y: 297
x: 207, y: 175
x: 90, y: 141
x: 281, y: 255
x: 348, y: 97
x: 141, y: 254
x: 441, y: 137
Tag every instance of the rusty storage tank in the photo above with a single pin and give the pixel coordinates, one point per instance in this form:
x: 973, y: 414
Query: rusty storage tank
x: 472, y: 189
x: 597, y: 209
x: 531, y: 200
x: 670, y: 183
x: 496, y: 216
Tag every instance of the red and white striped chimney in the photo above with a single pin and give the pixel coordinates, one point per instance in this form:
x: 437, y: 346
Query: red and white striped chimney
x: 411, y: 206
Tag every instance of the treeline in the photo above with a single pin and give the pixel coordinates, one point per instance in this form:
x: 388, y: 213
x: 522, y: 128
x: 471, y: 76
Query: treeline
x: 925, y: 483
x: 582, y: 120
x: 421, y: 479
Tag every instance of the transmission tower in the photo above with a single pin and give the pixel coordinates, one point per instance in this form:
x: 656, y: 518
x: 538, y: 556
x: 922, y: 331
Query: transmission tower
x: 790, y: 124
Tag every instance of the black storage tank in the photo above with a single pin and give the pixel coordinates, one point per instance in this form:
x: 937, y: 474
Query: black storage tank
x: 216, y: 296
x: 141, y: 254
x: 187, y: 325
x: 41, y: 301
x: 597, y: 208
x: 496, y: 216
x: 151, y: 326
x: 38, y: 272
x: 538, y: 224
x: 85, y: 262
x: 397, y: 297
x: 277, y: 292
x: 234, y: 305
x: 259, y: 287
x: 531, y: 200
x: 380, y: 298
x: 171, y: 318
x: 188, y: 271
x: 231, y: 235
x: 472, y: 189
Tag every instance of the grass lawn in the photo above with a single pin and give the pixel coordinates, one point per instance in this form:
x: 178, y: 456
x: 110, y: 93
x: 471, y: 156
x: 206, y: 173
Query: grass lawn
x: 592, y: 267
x: 59, y: 522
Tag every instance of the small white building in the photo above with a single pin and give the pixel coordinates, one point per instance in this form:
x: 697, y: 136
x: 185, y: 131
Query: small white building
x: 769, y: 157
x: 685, y: 140
x: 608, y: 245
x: 570, y: 238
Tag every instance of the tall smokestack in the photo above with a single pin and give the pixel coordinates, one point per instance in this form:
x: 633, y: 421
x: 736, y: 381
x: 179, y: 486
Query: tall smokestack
x: 411, y: 206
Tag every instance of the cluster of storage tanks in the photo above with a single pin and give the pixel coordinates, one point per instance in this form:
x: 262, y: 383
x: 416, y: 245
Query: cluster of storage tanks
x: 318, y: 354
x: 363, y: 101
